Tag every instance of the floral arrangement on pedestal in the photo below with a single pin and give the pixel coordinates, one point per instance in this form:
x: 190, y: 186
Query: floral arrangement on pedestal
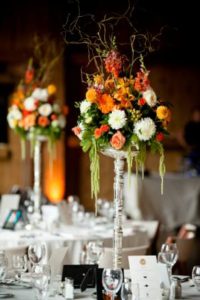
x: 120, y: 109
x: 34, y: 110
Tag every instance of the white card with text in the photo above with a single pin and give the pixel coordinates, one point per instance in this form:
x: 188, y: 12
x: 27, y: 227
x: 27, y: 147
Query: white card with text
x: 145, y: 272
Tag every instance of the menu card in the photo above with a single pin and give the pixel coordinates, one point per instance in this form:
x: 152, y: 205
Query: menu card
x: 145, y: 272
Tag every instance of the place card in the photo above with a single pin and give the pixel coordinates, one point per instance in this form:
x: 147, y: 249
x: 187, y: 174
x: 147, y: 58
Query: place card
x: 145, y: 272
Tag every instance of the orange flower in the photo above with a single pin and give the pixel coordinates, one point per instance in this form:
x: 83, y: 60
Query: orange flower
x: 106, y: 103
x: 163, y: 113
x: 97, y: 133
x: 54, y: 117
x: 43, y: 121
x: 141, y: 81
x: 118, y: 140
x: 91, y: 95
x: 29, y: 121
x: 51, y: 89
x: 109, y: 84
x: 65, y: 110
x: 104, y: 128
x: 141, y: 101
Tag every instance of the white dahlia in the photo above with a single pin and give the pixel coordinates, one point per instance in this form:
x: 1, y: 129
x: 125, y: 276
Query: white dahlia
x: 40, y: 94
x: 150, y: 97
x: 117, y: 119
x: 45, y: 110
x: 145, y: 129
x: 30, y: 104
x: 85, y: 105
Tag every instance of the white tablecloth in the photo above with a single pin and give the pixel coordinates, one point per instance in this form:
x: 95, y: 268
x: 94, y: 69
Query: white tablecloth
x: 188, y: 293
x: 75, y: 236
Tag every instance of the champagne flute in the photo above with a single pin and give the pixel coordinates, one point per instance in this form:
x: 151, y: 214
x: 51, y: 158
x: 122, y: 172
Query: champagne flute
x: 169, y: 255
x: 112, y: 280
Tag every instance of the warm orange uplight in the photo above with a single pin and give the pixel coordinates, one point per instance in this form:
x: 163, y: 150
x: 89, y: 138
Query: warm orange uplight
x: 54, y: 177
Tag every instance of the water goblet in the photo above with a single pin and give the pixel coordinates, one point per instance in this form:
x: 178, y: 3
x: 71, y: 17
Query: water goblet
x: 94, y: 250
x: 36, y: 253
x: 196, y: 276
x: 112, y: 280
x: 41, y: 281
x: 20, y: 265
x: 126, y: 291
x: 169, y: 255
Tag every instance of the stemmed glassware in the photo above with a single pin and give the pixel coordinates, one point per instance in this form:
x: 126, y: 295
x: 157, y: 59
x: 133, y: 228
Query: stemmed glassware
x: 169, y: 256
x: 41, y: 281
x: 20, y: 265
x: 94, y: 250
x: 36, y: 253
x: 196, y: 276
x: 112, y: 280
x: 3, y: 265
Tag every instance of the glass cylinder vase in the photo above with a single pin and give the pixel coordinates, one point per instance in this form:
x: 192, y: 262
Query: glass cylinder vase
x: 37, y: 191
x: 119, y: 160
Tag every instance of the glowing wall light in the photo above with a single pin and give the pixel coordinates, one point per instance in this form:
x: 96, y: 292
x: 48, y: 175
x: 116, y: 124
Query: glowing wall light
x: 54, y: 176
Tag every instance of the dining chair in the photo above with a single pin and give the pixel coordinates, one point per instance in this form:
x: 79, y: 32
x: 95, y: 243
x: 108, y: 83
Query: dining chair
x: 106, y: 260
x: 57, y: 260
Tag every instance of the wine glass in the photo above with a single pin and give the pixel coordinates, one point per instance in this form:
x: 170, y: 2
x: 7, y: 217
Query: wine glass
x: 126, y: 292
x: 20, y: 265
x: 41, y: 280
x: 169, y: 255
x: 94, y: 250
x: 3, y: 265
x: 112, y: 280
x: 196, y: 276
x: 36, y: 253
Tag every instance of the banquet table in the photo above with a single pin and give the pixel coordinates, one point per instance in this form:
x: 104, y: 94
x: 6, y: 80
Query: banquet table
x: 179, y: 204
x: 189, y: 292
x: 74, y: 237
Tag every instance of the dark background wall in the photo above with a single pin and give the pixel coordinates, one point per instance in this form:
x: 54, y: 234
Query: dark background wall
x: 174, y: 71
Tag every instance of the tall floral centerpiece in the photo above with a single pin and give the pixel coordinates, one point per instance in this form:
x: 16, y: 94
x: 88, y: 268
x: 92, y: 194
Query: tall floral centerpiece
x: 36, y: 116
x: 120, y: 115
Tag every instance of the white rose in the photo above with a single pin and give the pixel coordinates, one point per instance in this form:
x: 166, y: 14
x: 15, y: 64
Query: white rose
x: 150, y: 97
x: 145, y: 129
x: 117, y: 119
x: 61, y: 121
x: 40, y: 94
x: 45, y: 109
x: 30, y: 104
x: 85, y: 105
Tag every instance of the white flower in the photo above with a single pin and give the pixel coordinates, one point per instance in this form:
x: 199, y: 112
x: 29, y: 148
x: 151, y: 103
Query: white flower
x: 145, y: 129
x: 40, y: 94
x: 56, y: 108
x: 117, y: 119
x: 62, y: 121
x: 30, y: 104
x: 85, y: 105
x: 13, y: 116
x: 150, y: 97
x: 45, y: 109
